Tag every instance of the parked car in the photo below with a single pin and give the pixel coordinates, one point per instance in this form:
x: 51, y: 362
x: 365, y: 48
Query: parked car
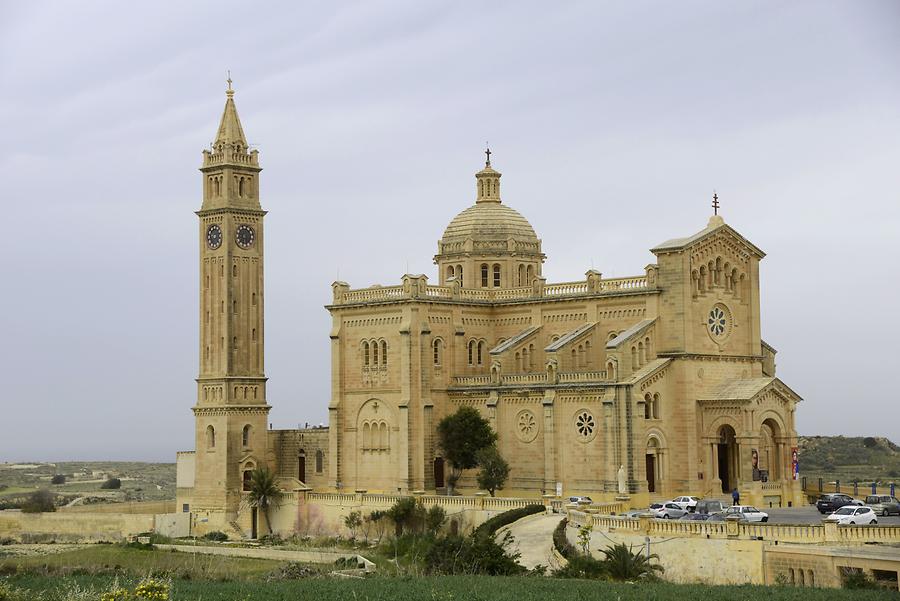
x: 694, y: 517
x: 580, y: 499
x: 852, y: 514
x: 721, y: 516
x: 668, y: 511
x: 689, y: 503
x: 830, y: 502
x: 709, y: 506
x: 750, y: 513
x: 634, y: 513
x: 883, y: 504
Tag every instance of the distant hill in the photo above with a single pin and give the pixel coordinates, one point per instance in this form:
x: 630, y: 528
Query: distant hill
x: 849, y: 458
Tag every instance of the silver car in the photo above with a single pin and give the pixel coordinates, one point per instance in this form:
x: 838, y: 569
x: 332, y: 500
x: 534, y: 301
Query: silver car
x: 669, y: 511
x: 883, y: 504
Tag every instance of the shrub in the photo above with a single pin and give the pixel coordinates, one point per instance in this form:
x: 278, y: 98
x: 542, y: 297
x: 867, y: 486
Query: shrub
x: 58, y: 479
x: 491, y: 526
x: 561, y: 542
x: 855, y: 578
x: 621, y: 563
x: 290, y: 571
x: 408, y: 515
x: 473, y: 554
x: 215, y: 535
x: 582, y: 566
x: 39, y: 501
x: 435, y: 519
x: 352, y: 522
x: 112, y: 484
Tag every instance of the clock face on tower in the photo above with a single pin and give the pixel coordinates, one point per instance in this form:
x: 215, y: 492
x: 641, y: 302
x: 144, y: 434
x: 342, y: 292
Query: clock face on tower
x: 214, y: 236
x: 244, y: 236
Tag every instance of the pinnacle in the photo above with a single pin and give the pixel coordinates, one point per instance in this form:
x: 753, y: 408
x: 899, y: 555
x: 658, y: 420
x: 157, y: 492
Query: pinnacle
x: 230, y: 130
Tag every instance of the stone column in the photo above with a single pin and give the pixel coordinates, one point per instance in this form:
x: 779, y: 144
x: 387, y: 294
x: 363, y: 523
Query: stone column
x: 550, y: 473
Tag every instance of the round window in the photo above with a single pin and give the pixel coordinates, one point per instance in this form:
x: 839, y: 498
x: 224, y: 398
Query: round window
x: 585, y: 427
x: 526, y: 426
x: 719, y: 322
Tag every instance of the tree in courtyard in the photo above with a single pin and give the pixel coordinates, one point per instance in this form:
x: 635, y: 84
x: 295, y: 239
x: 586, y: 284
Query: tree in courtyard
x: 435, y: 519
x: 58, y: 479
x: 494, y: 470
x: 111, y: 484
x: 353, y: 521
x: 264, y: 492
x: 460, y: 436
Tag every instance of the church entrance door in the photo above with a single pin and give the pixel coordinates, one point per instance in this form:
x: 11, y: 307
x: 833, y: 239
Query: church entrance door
x: 727, y: 452
x: 301, y: 468
x: 253, y: 523
x: 439, y: 472
x: 651, y: 473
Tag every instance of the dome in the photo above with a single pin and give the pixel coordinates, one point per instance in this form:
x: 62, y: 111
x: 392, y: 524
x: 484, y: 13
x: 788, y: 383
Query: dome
x: 489, y: 222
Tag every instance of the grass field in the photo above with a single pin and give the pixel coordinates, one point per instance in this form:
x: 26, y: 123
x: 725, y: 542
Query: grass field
x: 451, y: 588
x: 54, y: 577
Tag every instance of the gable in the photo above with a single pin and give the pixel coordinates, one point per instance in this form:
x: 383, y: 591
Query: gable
x: 721, y: 232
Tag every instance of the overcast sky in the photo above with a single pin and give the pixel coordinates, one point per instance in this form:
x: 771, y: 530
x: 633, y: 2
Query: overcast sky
x: 612, y: 125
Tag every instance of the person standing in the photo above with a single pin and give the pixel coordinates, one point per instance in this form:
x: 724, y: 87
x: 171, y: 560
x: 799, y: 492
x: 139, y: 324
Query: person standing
x: 735, y: 497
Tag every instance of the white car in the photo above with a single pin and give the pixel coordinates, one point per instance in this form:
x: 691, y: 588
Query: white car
x: 689, y: 503
x: 747, y: 512
x: 668, y: 511
x: 853, y: 514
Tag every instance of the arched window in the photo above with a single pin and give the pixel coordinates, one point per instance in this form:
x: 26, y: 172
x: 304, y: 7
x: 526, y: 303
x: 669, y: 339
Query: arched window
x: 253, y: 299
x: 247, y: 479
x: 531, y: 355
x: 437, y: 351
x: 587, y: 353
x: 459, y: 274
x: 610, y: 371
x: 634, y: 358
x: 383, y: 442
x: 642, y: 357
x: 702, y: 282
x: 384, y: 353
x: 210, y: 437
x: 471, y: 352
x: 481, y: 352
x: 254, y: 334
x: 647, y: 349
x: 245, y: 436
x: 365, y: 353
x: 375, y: 353
x: 451, y: 272
x: 529, y: 274
x: 234, y: 306
x: 367, y: 436
x: 648, y: 406
x: 484, y: 275
x: 496, y: 275
x: 518, y: 362
x: 525, y: 361
x: 234, y: 270
x: 656, y: 406
x: 320, y: 461
x: 521, y: 275
x: 241, y: 188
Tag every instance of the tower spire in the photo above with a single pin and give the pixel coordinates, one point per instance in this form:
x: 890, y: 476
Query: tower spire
x: 230, y: 132
x: 487, y: 180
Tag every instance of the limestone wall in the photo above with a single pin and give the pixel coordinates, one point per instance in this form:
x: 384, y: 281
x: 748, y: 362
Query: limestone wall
x: 135, y: 507
x: 72, y: 526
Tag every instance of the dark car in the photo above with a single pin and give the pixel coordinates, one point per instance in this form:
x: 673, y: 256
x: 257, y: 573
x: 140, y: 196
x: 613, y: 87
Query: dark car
x: 695, y: 517
x: 831, y: 502
x: 721, y: 516
x: 710, y: 506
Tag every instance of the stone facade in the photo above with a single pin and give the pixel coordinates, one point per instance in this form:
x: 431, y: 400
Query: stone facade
x: 663, y: 373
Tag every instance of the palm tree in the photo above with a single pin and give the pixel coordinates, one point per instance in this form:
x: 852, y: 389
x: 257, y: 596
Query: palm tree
x: 623, y: 564
x: 264, y: 492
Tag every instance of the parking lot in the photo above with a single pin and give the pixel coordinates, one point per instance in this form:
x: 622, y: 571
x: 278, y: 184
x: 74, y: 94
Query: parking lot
x: 810, y: 515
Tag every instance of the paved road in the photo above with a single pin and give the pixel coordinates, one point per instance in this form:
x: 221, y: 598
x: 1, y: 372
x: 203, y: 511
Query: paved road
x: 810, y: 515
x: 533, y: 539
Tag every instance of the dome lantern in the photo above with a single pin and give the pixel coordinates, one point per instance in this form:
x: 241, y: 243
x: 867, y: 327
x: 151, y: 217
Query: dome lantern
x: 487, y: 181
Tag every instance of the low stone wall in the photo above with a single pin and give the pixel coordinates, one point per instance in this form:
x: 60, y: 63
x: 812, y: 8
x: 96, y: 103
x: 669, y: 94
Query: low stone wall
x: 741, y: 553
x: 72, y: 527
x: 130, y: 507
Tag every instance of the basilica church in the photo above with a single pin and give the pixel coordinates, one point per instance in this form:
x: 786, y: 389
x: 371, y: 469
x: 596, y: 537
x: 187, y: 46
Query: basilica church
x: 663, y: 375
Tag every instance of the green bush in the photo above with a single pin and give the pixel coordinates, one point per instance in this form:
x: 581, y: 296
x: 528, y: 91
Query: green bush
x: 39, y: 501
x: 561, y: 543
x: 435, y: 519
x: 112, y: 484
x: 408, y: 515
x: 215, y: 535
x: 582, y: 566
x: 622, y: 563
x: 475, y: 554
x: 58, y: 479
x: 854, y: 578
x: 491, y: 526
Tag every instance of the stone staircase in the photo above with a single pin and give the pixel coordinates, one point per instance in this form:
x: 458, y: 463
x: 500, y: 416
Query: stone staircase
x: 236, y: 530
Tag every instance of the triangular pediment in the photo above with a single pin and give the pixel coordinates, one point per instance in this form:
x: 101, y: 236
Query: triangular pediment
x: 749, y: 389
x: 716, y: 231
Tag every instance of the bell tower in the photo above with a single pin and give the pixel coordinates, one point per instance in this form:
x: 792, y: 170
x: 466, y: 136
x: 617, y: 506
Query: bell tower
x: 231, y: 410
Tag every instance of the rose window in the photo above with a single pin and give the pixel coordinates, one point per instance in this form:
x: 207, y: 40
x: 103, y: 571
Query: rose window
x: 718, y: 322
x: 585, y: 425
x: 526, y: 426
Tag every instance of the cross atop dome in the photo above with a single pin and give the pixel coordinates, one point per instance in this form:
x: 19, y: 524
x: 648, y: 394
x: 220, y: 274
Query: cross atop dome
x: 488, y: 181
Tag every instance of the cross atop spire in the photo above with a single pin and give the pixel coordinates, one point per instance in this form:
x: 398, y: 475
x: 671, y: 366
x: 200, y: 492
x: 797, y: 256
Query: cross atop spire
x: 715, y: 204
x: 230, y: 132
x: 487, y: 153
x: 229, y: 91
